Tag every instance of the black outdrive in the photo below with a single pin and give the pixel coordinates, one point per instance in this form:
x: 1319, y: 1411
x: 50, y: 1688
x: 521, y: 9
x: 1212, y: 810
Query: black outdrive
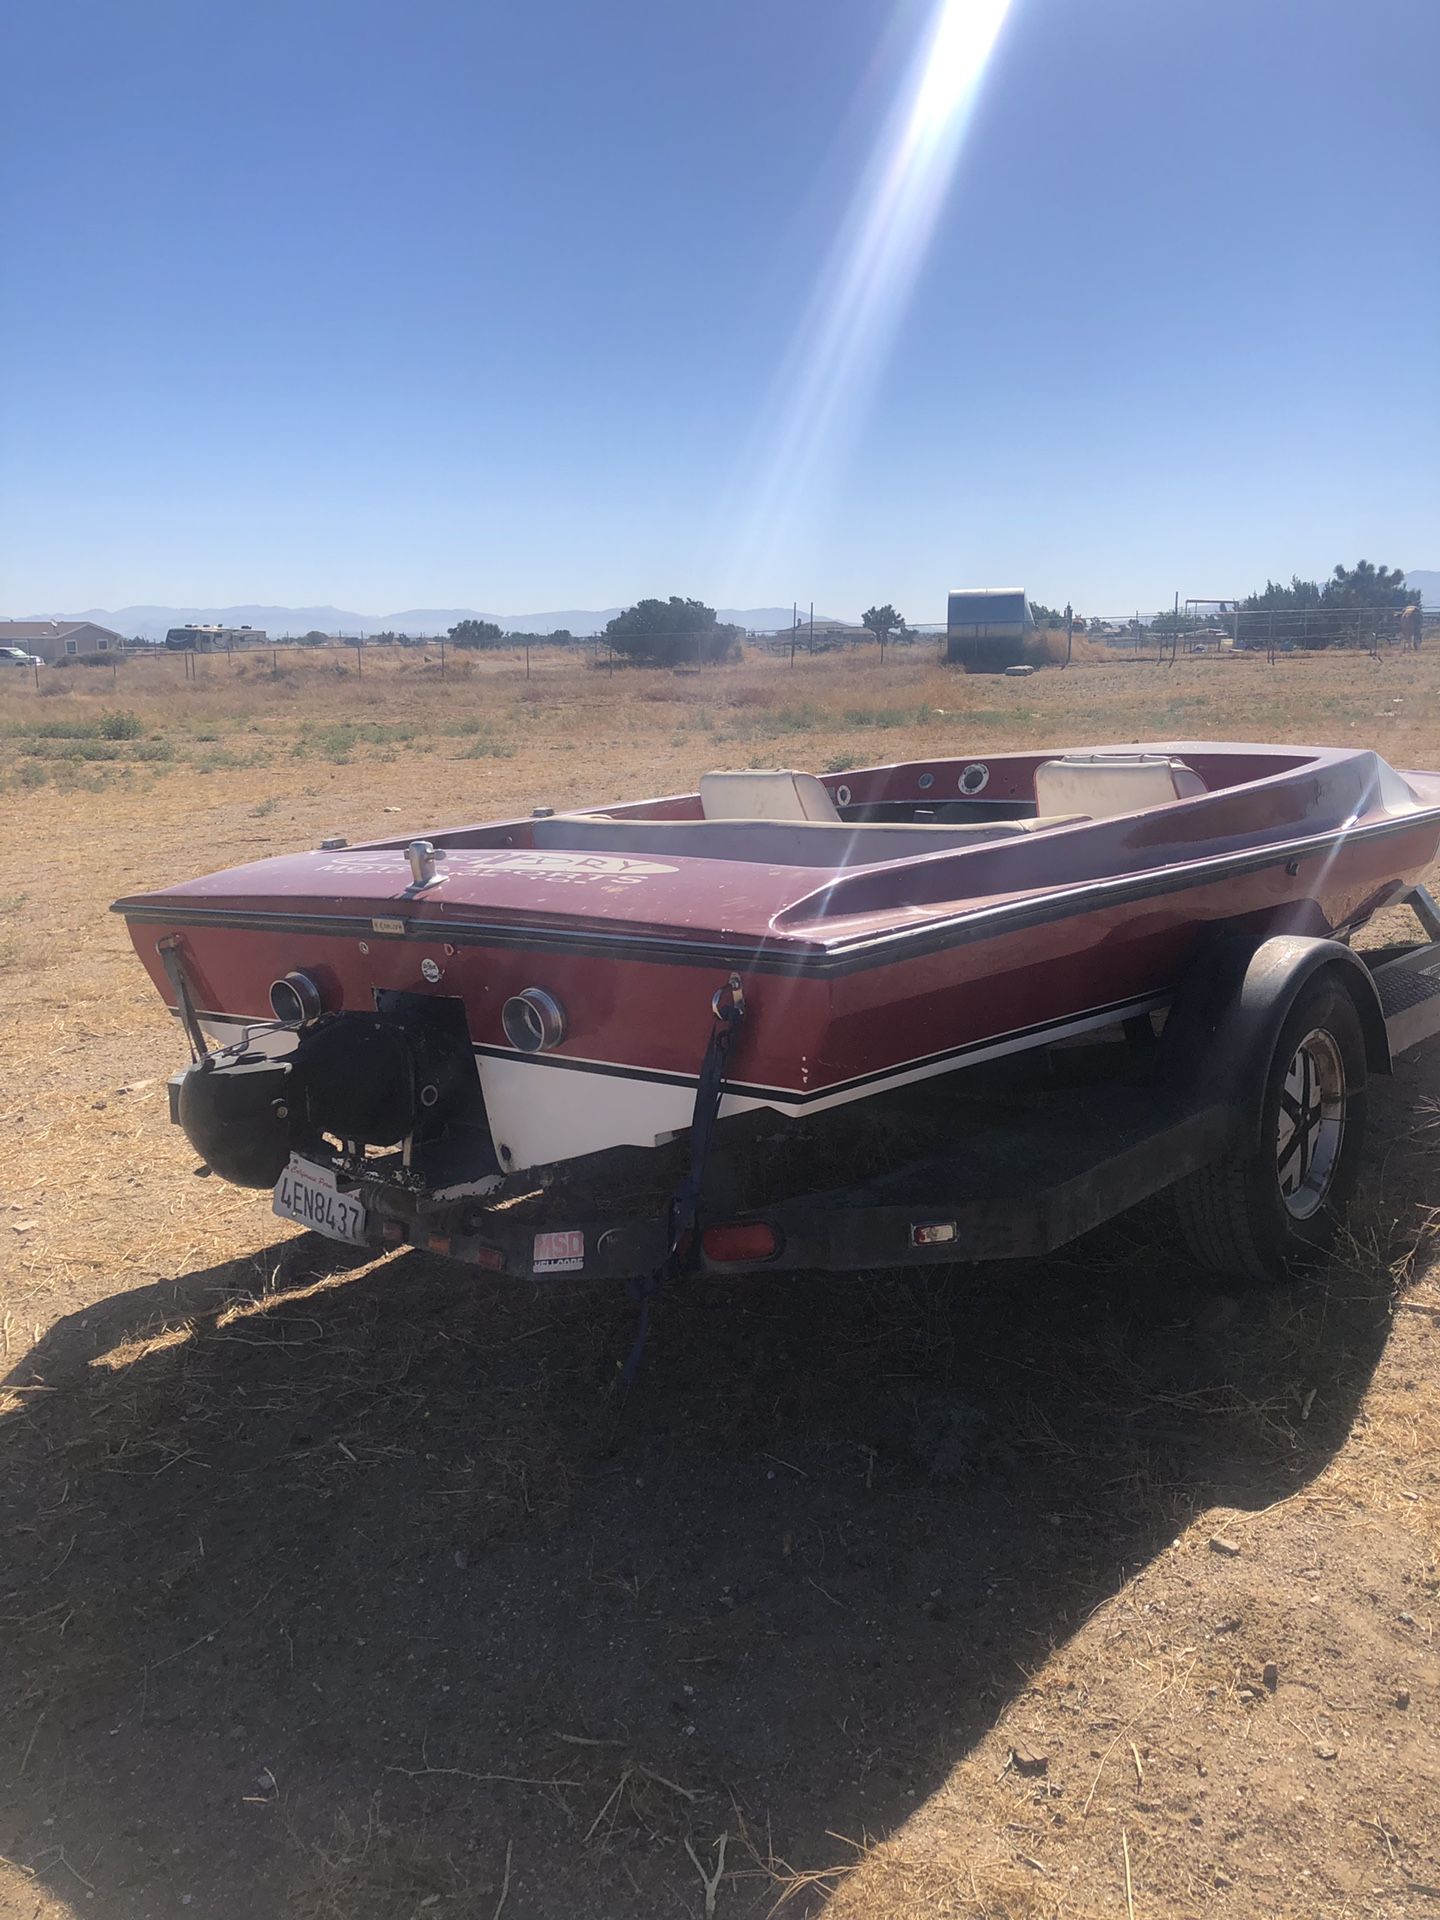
x: 364, y: 1079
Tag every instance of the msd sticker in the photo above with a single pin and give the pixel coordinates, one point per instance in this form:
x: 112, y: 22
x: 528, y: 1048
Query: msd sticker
x: 559, y: 1252
x: 528, y: 863
x: 540, y: 865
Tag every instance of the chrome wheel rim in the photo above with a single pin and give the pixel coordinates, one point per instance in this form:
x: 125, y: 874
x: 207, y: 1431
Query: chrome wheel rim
x: 1311, y: 1124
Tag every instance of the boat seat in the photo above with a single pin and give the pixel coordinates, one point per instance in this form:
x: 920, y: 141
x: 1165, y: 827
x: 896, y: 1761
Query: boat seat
x: 764, y: 795
x: 1103, y: 785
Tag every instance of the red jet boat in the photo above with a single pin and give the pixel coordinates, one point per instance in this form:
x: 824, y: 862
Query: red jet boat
x: 460, y: 1017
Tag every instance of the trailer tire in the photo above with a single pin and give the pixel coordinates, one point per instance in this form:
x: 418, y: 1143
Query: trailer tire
x: 1264, y: 1215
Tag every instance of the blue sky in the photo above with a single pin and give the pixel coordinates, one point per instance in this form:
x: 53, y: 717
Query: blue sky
x: 559, y: 304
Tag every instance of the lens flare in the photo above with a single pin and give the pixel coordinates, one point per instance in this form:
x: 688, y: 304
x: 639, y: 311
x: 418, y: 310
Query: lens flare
x: 850, y: 321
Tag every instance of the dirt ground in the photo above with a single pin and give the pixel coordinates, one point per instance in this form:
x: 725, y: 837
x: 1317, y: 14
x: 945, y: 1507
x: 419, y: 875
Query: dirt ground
x: 332, y: 1591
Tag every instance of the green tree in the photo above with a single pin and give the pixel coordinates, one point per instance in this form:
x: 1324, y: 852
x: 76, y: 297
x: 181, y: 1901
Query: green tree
x: 883, y: 621
x: 1314, y: 616
x: 1366, y: 586
x: 475, y: 633
x: 1300, y: 594
x: 1363, y: 585
x: 1047, y: 616
x: 672, y: 632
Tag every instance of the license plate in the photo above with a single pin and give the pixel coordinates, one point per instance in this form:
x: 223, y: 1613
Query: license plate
x: 559, y: 1252
x: 309, y: 1193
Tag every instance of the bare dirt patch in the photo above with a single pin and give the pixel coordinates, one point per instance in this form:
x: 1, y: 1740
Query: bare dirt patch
x: 332, y: 1590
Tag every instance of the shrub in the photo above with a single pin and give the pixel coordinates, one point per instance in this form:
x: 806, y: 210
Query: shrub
x: 71, y: 750
x: 119, y: 726
x: 476, y: 633
x: 488, y: 745
x: 672, y: 633
x: 889, y: 716
x: 64, y: 729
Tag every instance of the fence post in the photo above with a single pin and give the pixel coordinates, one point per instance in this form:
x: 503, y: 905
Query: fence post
x: 359, y: 663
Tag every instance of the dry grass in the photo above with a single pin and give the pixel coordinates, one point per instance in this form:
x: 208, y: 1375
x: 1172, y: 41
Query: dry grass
x: 444, y: 1421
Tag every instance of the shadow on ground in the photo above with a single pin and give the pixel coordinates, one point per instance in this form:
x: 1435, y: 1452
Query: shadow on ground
x: 329, y: 1593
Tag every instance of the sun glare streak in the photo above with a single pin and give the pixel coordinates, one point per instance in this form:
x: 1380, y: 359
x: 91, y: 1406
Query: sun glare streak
x: 863, y: 289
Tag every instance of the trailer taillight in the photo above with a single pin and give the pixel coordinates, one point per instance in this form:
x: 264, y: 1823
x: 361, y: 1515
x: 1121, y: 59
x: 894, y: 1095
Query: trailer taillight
x: 932, y: 1233
x: 747, y: 1240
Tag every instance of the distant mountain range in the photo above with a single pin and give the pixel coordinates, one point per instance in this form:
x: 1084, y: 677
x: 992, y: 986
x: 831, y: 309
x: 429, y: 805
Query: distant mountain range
x: 152, y: 623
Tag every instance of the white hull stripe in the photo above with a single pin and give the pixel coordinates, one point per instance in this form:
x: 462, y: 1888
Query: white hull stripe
x: 1015, y: 1040
x: 924, y: 1066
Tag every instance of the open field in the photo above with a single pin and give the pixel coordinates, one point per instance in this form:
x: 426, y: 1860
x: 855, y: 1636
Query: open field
x: 327, y: 1590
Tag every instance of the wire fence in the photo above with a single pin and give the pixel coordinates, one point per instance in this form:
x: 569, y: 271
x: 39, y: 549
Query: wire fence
x: 1195, y: 628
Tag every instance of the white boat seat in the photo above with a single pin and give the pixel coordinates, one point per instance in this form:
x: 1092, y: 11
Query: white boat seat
x: 764, y: 795
x: 1103, y: 785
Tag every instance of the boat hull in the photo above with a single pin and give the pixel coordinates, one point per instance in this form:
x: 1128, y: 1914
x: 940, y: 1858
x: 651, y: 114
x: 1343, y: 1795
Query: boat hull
x: 863, y: 1016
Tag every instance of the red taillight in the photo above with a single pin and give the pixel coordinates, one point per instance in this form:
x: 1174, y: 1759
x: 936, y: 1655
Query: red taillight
x: 932, y: 1233
x: 750, y: 1241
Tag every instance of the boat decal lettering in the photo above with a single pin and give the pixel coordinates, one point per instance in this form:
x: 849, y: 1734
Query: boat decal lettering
x: 530, y: 862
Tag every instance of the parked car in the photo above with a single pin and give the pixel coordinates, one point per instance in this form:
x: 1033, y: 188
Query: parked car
x: 17, y: 657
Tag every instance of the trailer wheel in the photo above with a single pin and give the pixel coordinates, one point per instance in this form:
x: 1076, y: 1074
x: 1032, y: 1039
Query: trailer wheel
x: 1262, y: 1218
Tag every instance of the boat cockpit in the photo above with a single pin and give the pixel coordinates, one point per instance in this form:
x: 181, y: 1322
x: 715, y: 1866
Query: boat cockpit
x: 782, y: 817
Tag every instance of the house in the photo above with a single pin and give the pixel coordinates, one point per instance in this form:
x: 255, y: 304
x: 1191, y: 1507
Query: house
x: 53, y: 640
x: 987, y: 627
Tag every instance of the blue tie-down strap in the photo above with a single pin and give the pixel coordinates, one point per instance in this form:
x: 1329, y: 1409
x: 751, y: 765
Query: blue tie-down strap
x: 728, y: 1006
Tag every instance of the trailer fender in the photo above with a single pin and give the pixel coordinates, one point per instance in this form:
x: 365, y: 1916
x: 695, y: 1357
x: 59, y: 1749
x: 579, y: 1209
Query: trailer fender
x: 1230, y: 1009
